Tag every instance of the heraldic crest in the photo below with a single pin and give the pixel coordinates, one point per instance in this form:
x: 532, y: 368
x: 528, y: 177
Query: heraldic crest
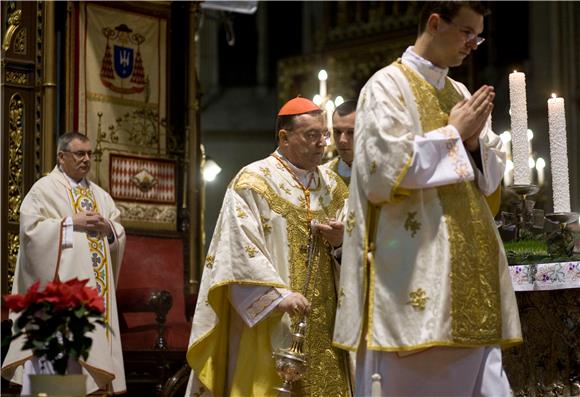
x: 123, y: 62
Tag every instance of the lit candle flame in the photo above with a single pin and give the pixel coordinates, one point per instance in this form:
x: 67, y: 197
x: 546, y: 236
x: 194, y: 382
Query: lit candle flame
x: 553, y: 95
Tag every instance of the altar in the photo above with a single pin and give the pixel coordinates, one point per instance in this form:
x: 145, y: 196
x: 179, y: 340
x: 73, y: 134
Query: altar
x: 548, y: 362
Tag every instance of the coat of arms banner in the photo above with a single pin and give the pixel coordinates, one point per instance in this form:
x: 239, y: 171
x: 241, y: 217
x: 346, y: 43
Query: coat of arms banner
x: 116, y: 87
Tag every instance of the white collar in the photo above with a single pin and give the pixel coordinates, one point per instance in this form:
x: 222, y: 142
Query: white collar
x: 308, y: 179
x: 73, y: 184
x: 433, y: 74
x: 343, y: 168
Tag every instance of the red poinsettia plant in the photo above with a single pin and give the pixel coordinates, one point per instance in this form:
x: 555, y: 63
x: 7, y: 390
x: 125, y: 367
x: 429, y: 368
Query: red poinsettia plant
x: 55, y: 321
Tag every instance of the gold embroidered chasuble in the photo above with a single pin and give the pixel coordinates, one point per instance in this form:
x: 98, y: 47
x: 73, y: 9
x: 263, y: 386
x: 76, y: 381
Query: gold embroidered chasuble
x: 425, y: 265
x: 261, y: 239
x: 50, y: 200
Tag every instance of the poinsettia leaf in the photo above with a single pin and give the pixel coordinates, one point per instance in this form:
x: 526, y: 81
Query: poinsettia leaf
x: 61, y: 364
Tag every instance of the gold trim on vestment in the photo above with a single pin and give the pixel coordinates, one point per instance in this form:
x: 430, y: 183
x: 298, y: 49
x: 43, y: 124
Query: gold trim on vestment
x: 369, y: 257
x: 504, y: 343
x: 82, y: 200
x: 326, y: 374
x: 474, y: 250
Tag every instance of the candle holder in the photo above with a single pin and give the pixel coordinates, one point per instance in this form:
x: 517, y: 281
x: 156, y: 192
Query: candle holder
x: 291, y: 363
x: 561, y: 241
x: 523, y: 217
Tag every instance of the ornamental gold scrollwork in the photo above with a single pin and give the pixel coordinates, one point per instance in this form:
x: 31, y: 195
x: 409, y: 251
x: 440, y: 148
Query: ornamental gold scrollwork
x: 19, y: 46
x: 352, y: 20
x: 39, y: 94
x: 13, y: 22
x: 547, y: 363
x: 13, y: 244
x: 147, y: 213
x: 16, y: 77
x: 15, y: 156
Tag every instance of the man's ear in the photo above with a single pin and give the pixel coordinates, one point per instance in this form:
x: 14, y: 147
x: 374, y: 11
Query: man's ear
x: 282, y: 135
x: 433, y: 23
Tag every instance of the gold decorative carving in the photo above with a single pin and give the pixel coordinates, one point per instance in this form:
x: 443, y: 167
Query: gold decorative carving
x: 13, y: 22
x: 353, y: 20
x: 548, y: 362
x: 19, y: 46
x: 147, y: 213
x: 15, y: 156
x: 16, y: 77
x: 39, y: 94
x: 349, y: 68
x: 13, y: 245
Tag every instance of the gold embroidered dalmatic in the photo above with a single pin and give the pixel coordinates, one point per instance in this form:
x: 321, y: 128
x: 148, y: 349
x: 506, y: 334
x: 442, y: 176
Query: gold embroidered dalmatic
x: 425, y: 265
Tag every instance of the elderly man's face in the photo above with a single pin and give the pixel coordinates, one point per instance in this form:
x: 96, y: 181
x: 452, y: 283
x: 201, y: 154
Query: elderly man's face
x: 343, y: 133
x: 304, y: 144
x: 75, y: 161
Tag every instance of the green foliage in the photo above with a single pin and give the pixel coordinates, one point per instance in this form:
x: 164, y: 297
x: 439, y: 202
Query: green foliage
x: 55, y: 322
x: 533, y: 251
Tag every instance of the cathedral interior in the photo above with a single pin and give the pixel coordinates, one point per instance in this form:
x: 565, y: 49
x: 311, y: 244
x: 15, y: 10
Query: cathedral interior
x: 202, y: 89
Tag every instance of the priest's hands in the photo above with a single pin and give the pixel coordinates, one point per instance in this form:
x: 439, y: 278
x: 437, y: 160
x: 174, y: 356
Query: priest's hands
x: 91, y: 222
x: 470, y: 115
x: 295, y: 303
x: 332, y: 231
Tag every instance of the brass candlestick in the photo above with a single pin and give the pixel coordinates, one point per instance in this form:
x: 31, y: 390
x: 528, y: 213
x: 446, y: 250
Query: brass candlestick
x: 523, y: 218
x: 561, y: 241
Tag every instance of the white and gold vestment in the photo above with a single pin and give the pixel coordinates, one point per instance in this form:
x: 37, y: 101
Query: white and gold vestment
x: 49, y: 251
x: 340, y: 167
x: 260, y: 245
x: 422, y: 263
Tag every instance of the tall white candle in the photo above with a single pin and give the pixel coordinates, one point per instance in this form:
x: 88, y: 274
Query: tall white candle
x: 329, y: 107
x: 558, y: 154
x: 508, y: 173
x: 322, y: 77
x: 519, y: 123
x: 540, y: 165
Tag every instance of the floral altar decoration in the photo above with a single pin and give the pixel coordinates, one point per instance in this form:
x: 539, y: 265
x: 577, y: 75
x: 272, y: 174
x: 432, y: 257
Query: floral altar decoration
x: 55, y: 321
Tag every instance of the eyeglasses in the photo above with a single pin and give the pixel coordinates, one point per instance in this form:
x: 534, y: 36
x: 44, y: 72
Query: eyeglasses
x: 470, y: 36
x: 80, y: 154
x: 317, y: 136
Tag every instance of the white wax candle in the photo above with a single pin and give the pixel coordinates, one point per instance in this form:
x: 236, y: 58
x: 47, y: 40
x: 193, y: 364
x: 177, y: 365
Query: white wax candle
x: 322, y: 76
x: 519, y: 123
x: 540, y: 165
x: 558, y: 154
x: 508, y: 173
x: 329, y: 107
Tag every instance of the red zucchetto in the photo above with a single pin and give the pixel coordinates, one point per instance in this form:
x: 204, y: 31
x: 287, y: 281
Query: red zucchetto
x: 297, y: 106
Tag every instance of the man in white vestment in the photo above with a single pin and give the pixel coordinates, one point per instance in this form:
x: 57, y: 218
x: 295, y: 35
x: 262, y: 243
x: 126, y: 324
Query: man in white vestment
x: 255, y: 284
x: 428, y: 300
x: 69, y: 228
x: 343, y: 133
